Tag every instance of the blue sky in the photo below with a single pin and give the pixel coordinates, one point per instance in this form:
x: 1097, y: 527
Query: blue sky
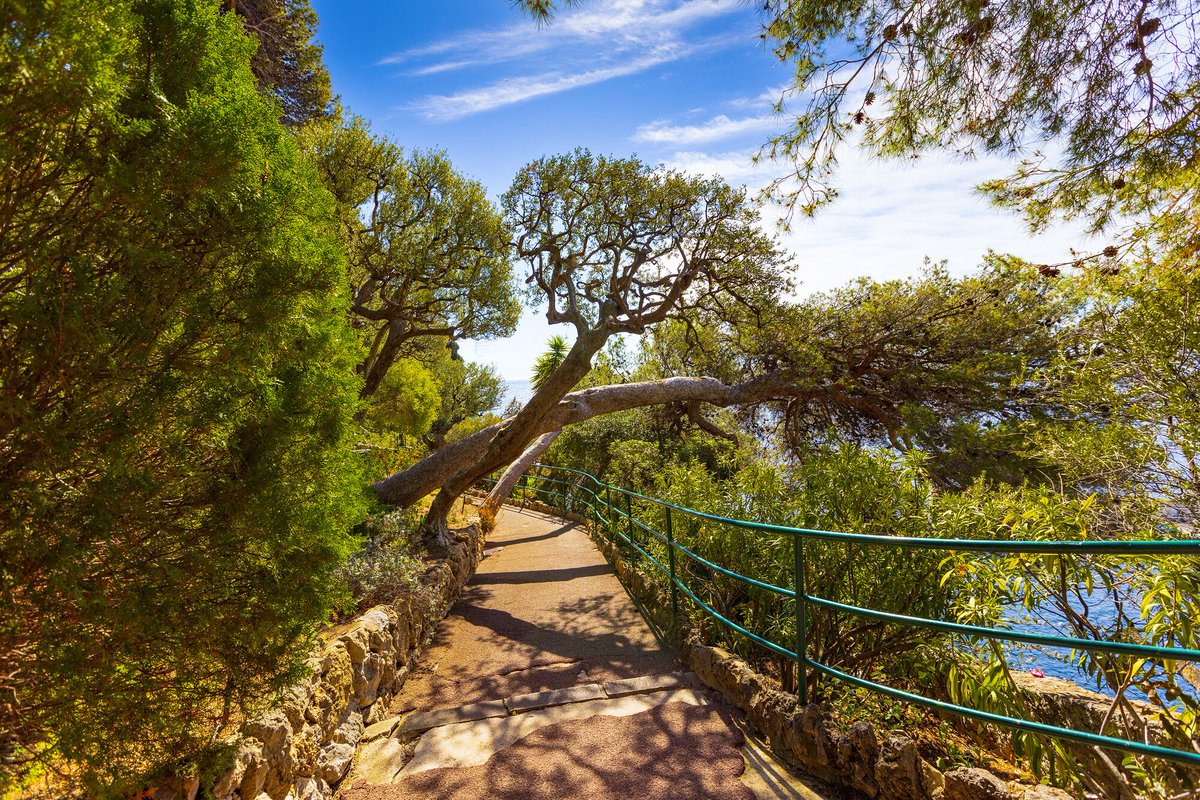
x: 685, y: 83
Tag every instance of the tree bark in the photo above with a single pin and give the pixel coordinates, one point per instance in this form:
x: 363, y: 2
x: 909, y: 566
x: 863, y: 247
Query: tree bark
x: 510, y: 438
x: 508, y: 481
x: 410, y: 485
x: 375, y: 368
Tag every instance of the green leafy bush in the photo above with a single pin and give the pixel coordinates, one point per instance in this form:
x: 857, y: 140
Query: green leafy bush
x: 386, y: 565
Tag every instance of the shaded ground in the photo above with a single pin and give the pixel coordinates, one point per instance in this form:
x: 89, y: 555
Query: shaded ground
x: 544, y: 611
x: 673, y: 751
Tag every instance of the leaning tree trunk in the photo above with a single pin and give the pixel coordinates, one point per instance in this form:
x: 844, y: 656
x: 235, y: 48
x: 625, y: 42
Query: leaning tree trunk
x: 516, y: 433
x: 508, y: 481
x: 485, y: 451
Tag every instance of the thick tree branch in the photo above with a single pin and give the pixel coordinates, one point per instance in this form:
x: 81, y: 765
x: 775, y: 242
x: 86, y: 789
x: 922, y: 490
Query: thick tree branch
x: 508, y: 480
x: 410, y: 485
x: 698, y: 419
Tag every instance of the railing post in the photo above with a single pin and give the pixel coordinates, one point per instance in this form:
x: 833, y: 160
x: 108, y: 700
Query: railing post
x: 801, y: 620
x: 595, y: 515
x: 671, y: 564
x: 608, y: 511
x: 629, y: 516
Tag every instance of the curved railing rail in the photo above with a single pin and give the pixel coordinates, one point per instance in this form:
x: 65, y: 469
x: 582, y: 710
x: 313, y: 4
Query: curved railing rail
x: 575, y: 487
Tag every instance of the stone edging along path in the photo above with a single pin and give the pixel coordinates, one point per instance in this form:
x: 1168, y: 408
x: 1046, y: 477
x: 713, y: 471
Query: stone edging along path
x: 302, y: 749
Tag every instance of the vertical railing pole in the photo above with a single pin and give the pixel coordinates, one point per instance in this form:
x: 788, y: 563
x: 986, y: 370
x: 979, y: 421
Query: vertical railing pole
x: 629, y: 517
x: 671, y: 564
x: 801, y: 620
x: 608, y: 512
x: 594, y: 506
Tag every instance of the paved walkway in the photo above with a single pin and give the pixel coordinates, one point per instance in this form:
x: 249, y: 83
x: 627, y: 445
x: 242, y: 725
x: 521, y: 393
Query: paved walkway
x: 543, y: 611
x: 544, y: 681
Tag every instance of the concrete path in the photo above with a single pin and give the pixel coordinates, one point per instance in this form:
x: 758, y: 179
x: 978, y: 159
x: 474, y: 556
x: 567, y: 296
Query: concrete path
x: 545, y: 681
x: 543, y: 611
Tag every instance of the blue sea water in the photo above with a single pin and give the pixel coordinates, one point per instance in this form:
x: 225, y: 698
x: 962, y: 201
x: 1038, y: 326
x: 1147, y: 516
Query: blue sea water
x: 1101, y: 610
x: 520, y: 391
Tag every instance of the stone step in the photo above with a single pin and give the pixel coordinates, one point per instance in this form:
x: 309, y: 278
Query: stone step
x: 426, y: 720
x: 468, y: 744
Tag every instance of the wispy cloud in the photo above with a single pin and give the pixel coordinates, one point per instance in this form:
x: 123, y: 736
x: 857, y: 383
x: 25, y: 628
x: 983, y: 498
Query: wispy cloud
x: 714, y: 130
x: 443, y: 108
x: 890, y: 215
x: 736, y: 166
x: 598, y: 42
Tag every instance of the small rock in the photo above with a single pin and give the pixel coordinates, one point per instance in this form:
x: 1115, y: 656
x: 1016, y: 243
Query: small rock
x: 382, y: 728
x: 933, y: 781
x: 862, y: 736
x: 1043, y: 792
x: 973, y: 783
x: 333, y: 761
x: 374, y: 713
x: 305, y: 746
x: 312, y: 789
x: 380, y: 761
x: 367, y: 676
x: 351, y: 729
x: 898, y: 771
x: 253, y: 769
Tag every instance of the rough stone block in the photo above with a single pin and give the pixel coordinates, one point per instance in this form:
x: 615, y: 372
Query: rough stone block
x: 356, y: 643
x: 973, y: 783
x: 380, y: 761
x: 555, y: 697
x: 306, y: 743
x: 275, y: 733
x: 253, y: 769
x: 296, y: 700
x: 333, y: 691
x: 309, y: 788
x: 649, y: 683
x: 1043, y: 792
x: 898, y: 771
x: 375, y: 713
x: 933, y: 781
x: 333, y: 761
x: 382, y: 728
x: 367, y: 676
x: 423, y: 721
x: 351, y: 729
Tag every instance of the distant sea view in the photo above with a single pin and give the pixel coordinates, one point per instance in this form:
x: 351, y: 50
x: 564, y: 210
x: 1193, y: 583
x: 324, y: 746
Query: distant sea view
x: 520, y: 390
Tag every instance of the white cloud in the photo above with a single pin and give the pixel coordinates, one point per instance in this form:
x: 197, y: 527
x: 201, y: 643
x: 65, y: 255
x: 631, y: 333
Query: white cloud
x: 443, y: 108
x: 598, y: 42
x: 714, y: 130
x: 736, y: 167
x: 890, y: 215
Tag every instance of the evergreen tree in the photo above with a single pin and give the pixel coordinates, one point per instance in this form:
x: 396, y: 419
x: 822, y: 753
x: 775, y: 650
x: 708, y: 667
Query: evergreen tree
x: 429, y: 253
x: 287, y: 62
x: 176, y: 388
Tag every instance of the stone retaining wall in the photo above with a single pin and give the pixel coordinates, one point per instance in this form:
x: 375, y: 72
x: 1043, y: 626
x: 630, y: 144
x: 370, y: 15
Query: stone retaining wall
x: 302, y: 749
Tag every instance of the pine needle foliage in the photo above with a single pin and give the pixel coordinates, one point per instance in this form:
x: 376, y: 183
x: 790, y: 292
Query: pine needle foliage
x: 176, y: 389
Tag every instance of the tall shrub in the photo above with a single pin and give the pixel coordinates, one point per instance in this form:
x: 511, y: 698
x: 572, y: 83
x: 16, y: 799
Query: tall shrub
x: 176, y: 387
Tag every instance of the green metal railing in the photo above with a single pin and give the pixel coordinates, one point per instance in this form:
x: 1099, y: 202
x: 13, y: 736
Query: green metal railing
x: 571, y: 489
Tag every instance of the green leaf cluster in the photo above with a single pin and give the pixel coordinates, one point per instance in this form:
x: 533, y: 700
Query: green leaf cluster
x: 176, y: 388
x: 428, y: 252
